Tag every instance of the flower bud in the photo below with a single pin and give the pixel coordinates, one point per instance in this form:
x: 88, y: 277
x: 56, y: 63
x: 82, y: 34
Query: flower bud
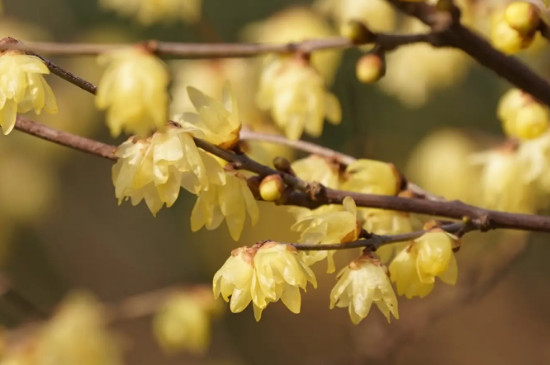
x: 357, y: 32
x: 271, y: 188
x: 507, y: 39
x: 370, y: 68
x: 522, y: 16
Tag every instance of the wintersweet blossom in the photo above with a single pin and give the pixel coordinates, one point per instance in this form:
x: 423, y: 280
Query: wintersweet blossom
x: 415, y: 268
x: 23, y: 88
x: 217, y: 122
x: 372, y: 177
x: 330, y: 227
x: 362, y: 283
x: 155, y: 169
x: 295, y: 95
x: 231, y: 201
x: 150, y: 11
x: 522, y: 115
x: 263, y: 274
x: 377, y: 14
x: 133, y: 91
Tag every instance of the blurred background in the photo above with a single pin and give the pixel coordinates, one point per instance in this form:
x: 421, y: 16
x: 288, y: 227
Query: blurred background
x: 61, y: 229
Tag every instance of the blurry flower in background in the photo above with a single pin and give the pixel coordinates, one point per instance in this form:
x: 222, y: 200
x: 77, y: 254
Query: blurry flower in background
x: 440, y: 163
x: 23, y: 88
x: 184, y: 321
x: 360, y: 284
x: 133, y: 90
x: 151, y: 11
x: 378, y: 15
x: 522, y: 116
x: 76, y: 335
x: 293, y: 25
x: 295, y: 95
x: 415, y: 71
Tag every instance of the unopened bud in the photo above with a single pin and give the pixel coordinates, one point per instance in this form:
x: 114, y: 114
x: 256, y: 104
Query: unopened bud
x: 357, y: 32
x: 507, y: 39
x: 370, y: 68
x: 271, y: 188
x: 522, y: 16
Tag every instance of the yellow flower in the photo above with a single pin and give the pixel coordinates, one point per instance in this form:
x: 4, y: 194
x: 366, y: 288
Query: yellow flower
x: 330, y: 227
x: 231, y: 200
x: 263, y: 274
x: 363, y: 282
x: 317, y: 169
x: 372, y: 177
x: 218, y: 122
x: 296, y: 96
x: 279, y: 273
x: 23, y: 88
x: 414, y: 269
x: 234, y: 279
x: 504, y: 182
x: 154, y: 169
x: 150, y: 11
x: 133, y: 89
x: 183, y: 322
x: 433, y: 68
x: 76, y: 335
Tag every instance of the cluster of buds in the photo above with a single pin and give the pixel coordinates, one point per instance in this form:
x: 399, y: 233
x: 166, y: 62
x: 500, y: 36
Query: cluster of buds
x: 522, y: 115
x: 515, y: 28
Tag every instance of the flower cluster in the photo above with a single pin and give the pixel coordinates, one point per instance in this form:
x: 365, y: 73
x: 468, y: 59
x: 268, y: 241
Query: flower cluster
x: 23, y: 88
x: 295, y: 95
x: 151, y: 11
x: 514, y: 28
x: 133, y: 90
x: 263, y: 274
x: 154, y: 169
x: 522, y: 115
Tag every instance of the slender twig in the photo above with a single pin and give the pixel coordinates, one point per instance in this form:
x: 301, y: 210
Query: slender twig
x: 375, y: 241
x: 300, y: 145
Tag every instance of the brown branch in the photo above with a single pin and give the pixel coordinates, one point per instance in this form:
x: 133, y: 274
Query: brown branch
x: 313, y: 195
x: 449, y: 32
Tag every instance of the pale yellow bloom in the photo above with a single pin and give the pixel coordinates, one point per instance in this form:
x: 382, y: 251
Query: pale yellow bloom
x: 371, y: 177
x: 415, y: 71
x: 156, y: 168
x: 296, y: 96
x: 230, y: 201
x: 151, y: 11
x: 363, y: 282
x: 218, y: 122
x: 331, y: 227
x: 263, y: 274
x: 378, y: 15
x: 183, y: 323
x: 279, y: 273
x: 504, y: 182
x: 234, y: 279
x: 76, y: 335
x: 414, y: 269
x: 133, y: 90
x: 23, y: 88
x: 317, y: 169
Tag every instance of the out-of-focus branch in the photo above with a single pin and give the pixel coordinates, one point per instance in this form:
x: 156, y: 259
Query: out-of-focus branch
x: 449, y: 32
x: 215, y: 50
